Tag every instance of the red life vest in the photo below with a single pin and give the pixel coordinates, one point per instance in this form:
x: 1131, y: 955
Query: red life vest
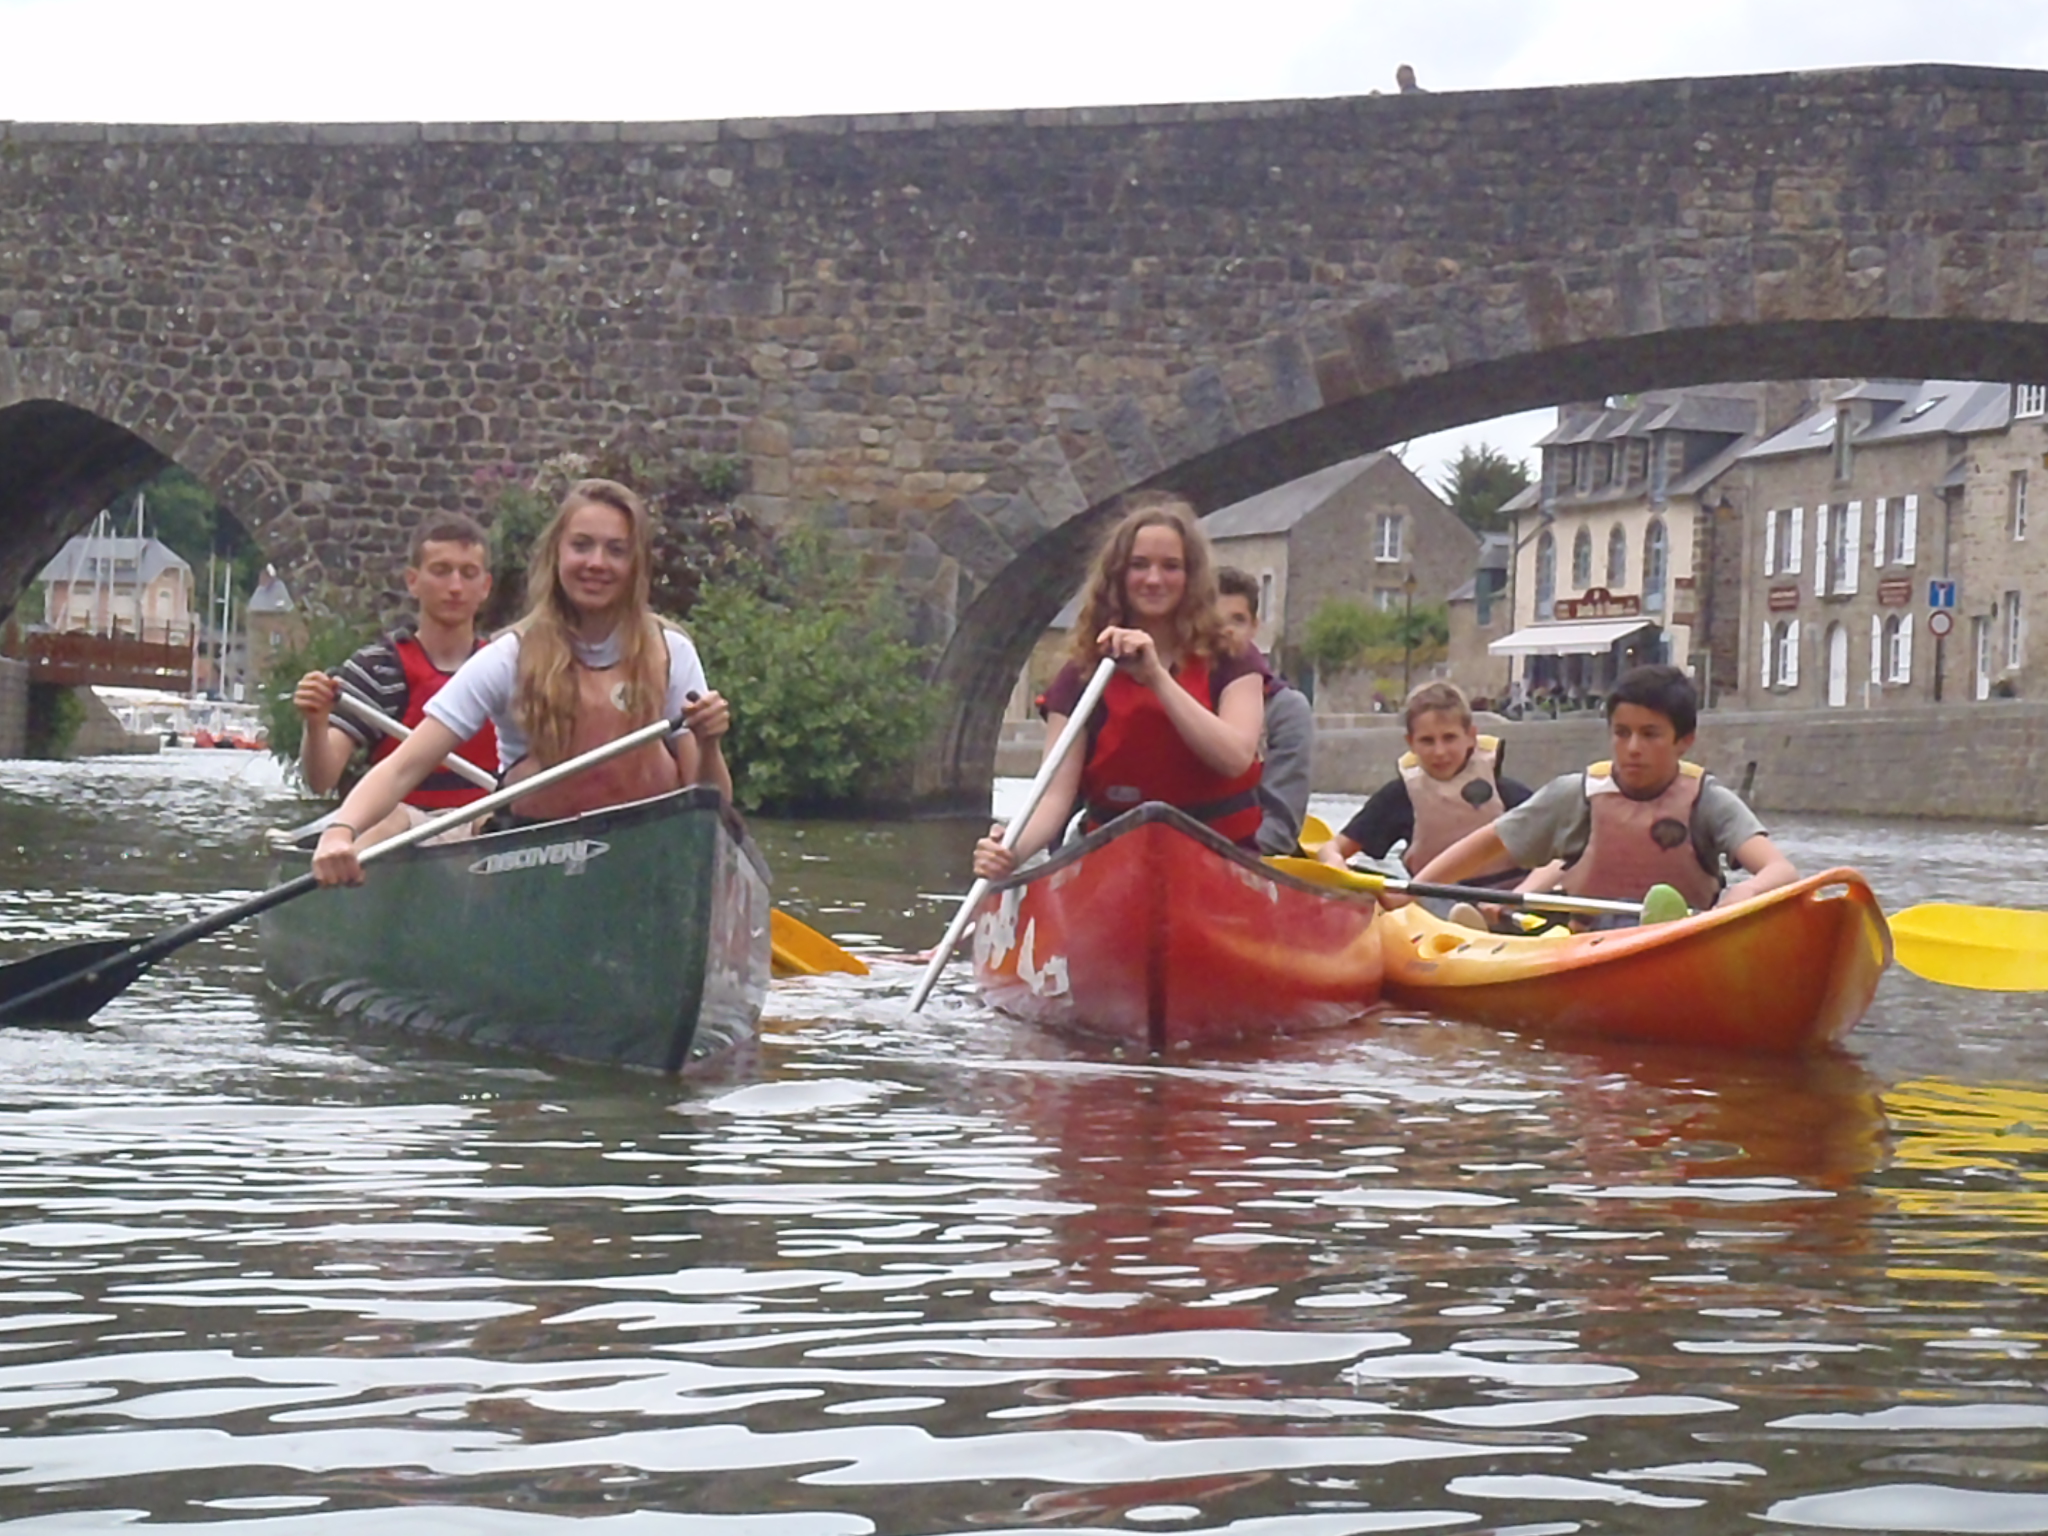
x: 601, y: 718
x: 1635, y: 844
x: 441, y: 790
x: 1447, y: 809
x: 1137, y: 755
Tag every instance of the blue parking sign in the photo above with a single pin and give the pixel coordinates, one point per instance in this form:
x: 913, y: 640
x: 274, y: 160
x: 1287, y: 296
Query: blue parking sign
x: 1941, y: 594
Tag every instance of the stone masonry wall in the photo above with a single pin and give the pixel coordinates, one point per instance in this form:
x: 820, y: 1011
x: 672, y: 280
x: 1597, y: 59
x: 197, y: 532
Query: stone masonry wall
x: 13, y: 707
x: 958, y: 337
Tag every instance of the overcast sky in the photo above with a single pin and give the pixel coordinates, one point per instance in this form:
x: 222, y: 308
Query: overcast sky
x: 462, y: 60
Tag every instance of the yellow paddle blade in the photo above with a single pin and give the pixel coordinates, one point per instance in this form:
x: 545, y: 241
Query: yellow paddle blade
x: 1316, y: 872
x: 800, y: 950
x: 1314, y: 832
x: 1988, y: 949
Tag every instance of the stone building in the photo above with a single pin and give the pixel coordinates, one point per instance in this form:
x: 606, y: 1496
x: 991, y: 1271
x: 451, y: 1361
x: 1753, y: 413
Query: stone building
x: 1602, y: 567
x: 1479, y: 615
x: 1358, y: 530
x: 138, y: 587
x: 1857, y: 509
x: 272, y: 623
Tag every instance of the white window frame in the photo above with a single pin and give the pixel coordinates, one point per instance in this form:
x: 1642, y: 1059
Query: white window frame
x: 2016, y: 506
x: 1898, y: 648
x: 2030, y: 400
x: 1386, y: 550
x: 2015, y: 632
x: 1582, y: 560
x: 1617, y: 558
x: 1657, y: 576
x: 1785, y: 670
x: 1546, y: 574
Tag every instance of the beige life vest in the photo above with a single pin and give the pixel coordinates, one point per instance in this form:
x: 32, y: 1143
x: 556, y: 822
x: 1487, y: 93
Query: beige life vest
x: 1447, y: 809
x: 1635, y: 844
x: 601, y: 717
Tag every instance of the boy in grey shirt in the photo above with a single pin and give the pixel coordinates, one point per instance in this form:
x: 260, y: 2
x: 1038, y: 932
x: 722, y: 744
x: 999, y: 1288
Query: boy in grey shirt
x: 1646, y: 817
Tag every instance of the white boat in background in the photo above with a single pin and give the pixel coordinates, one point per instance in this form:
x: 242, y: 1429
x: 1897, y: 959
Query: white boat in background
x: 179, y: 720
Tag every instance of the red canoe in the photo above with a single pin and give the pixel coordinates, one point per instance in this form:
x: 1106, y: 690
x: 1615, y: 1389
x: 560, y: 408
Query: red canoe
x: 1785, y: 973
x: 1158, y: 935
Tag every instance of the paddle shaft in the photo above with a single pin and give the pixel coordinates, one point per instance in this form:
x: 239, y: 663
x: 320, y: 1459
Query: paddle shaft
x: 1541, y: 900
x: 454, y: 762
x: 1315, y: 871
x: 1077, y: 726
x: 139, y: 956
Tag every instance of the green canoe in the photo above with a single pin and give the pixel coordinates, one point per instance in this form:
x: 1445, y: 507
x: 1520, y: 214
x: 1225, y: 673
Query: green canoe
x: 636, y: 936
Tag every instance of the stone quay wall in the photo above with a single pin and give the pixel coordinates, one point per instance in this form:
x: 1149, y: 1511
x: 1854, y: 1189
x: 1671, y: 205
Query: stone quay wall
x: 13, y: 707
x: 1975, y: 762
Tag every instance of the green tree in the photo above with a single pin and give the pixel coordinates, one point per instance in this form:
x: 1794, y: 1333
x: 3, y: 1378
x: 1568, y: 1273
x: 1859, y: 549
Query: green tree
x: 330, y: 640
x: 1339, y: 634
x: 1481, y: 480
x: 828, y: 697
x: 1345, y: 636
x: 183, y: 514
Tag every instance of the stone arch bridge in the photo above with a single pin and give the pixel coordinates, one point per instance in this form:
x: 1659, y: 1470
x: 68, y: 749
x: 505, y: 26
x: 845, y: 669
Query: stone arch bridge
x: 960, y: 336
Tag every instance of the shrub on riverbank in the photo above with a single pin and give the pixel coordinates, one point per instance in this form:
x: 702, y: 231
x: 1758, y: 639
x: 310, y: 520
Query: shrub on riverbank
x: 330, y: 640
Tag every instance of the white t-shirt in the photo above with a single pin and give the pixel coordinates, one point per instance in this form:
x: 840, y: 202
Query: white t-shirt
x: 483, y: 689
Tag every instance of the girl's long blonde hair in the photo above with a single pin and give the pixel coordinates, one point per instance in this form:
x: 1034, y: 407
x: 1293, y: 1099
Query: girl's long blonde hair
x: 1197, y: 624
x: 545, y: 698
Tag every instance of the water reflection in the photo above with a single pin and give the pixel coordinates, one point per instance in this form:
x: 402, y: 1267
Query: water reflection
x: 951, y: 1274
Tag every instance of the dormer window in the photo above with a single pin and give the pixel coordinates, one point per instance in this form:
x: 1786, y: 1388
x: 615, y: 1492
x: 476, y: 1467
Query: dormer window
x: 2030, y: 400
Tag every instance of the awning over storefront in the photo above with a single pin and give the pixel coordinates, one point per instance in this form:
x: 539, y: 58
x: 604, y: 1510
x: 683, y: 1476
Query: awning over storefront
x: 1588, y: 637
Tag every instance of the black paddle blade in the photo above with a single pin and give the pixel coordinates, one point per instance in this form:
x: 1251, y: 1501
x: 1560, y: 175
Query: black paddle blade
x: 61, y: 986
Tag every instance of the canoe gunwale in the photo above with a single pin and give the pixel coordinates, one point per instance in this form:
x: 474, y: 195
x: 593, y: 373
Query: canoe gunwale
x: 690, y: 797
x: 1158, y: 811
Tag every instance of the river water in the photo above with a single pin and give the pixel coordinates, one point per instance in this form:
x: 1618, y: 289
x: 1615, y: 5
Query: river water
x: 264, y: 1272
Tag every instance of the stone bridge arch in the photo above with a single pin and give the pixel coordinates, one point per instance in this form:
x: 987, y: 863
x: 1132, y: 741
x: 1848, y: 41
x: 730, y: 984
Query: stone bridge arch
x: 1027, y: 588
x: 74, y: 439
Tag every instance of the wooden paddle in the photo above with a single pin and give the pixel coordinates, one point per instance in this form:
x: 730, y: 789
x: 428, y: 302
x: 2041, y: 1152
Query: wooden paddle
x: 70, y: 984
x: 1077, y: 725
x: 1987, y: 949
x: 795, y: 949
x: 1316, y: 872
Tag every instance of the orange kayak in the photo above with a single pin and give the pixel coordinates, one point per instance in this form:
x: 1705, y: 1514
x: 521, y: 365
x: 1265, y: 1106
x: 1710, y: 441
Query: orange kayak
x: 1786, y: 973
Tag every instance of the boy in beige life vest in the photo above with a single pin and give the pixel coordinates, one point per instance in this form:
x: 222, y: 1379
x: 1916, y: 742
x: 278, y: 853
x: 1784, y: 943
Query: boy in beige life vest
x: 1645, y: 817
x: 1449, y: 784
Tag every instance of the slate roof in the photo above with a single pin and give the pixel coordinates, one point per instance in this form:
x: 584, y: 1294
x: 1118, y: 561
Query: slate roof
x: 113, y: 562
x: 1686, y: 410
x: 1279, y: 509
x: 1905, y: 409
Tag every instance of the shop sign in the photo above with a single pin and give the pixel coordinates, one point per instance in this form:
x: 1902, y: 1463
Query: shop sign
x: 1895, y: 591
x: 1599, y: 603
x: 1784, y: 599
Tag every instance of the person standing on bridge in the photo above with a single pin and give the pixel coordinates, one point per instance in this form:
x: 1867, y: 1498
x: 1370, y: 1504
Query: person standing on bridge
x: 589, y: 663
x: 1181, y: 719
x: 448, y: 573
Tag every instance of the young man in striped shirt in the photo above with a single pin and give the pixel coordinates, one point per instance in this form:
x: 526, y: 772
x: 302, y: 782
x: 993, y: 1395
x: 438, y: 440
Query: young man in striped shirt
x: 448, y: 574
